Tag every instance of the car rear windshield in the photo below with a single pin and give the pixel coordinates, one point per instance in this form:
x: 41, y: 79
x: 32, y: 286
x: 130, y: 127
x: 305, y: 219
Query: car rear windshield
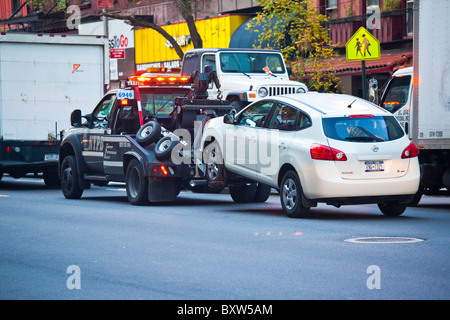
x: 363, y: 129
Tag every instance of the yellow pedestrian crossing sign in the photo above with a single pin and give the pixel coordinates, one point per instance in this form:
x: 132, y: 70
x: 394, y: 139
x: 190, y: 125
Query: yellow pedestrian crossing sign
x: 362, y: 46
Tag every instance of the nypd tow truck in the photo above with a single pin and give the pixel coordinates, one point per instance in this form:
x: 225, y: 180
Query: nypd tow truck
x: 143, y: 135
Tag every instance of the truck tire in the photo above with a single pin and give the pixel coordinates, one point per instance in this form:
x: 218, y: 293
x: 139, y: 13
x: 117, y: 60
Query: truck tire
x: 243, y: 193
x: 164, y: 147
x: 51, y: 179
x: 392, y: 209
x: 1, y: 175
x: 291, y: 194
x: 70, y: 186
x: 262, y: 193
x: 148, y: 133
x: 136, y: 184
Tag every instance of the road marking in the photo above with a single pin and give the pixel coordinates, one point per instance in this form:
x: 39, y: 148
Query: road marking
x: 4, y: 196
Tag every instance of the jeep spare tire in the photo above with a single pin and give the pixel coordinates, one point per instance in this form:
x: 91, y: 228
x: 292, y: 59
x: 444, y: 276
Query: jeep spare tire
x: 148, y: 133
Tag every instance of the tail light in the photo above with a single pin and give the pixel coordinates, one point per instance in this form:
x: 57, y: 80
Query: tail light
x: 410, y: 151
x: 321, y: 152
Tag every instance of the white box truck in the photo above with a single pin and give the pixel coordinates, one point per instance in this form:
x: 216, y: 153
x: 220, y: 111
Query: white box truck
x: 420, y: 95
x: 43, y: 78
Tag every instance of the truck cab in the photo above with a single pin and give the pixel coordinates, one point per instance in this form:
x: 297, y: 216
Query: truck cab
x: 397, y: 98
x: 245, y: 75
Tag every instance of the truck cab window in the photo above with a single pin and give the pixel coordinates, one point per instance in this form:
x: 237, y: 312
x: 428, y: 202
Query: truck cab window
x: 101, y: 113
x: 209, y: 60
x: 396, y: 94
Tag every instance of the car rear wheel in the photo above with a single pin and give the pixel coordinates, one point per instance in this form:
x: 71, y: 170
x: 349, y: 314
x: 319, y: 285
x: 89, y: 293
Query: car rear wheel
x: 136, y: 184
x: 148, y: 133
x: 291, y: 194
x: 70, y: 186
x: 392, y: 209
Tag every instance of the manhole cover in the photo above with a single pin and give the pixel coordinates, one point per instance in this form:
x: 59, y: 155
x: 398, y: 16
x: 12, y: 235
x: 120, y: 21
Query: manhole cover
x: 383, y: 240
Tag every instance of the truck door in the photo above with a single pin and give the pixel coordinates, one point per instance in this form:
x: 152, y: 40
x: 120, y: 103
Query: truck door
x: 93, y: 145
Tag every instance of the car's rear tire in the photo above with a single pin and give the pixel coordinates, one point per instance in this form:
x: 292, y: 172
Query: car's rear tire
x: 136, y: 184
x: 243, y: 193
x: 70, y: 185
x: 262, y: 193
x: 392, y: 209
x: 148, y: 133
x: 291, y: 194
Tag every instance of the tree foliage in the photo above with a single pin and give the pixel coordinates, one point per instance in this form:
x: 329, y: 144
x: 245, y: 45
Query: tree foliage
x: 296, y: 29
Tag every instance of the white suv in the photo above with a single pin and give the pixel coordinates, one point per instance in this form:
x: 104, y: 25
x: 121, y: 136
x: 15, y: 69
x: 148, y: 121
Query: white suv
x: 316, y: 147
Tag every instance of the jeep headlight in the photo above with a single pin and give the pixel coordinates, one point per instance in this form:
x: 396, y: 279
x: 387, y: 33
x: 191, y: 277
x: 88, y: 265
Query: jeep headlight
x: 262, y: 92
x: 300, y: 90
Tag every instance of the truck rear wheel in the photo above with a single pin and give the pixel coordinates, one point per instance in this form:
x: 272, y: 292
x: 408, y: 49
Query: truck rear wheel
x: 136, y: 184
x: 70, y: 186
x: 148, y: 133
x: 51, y: 179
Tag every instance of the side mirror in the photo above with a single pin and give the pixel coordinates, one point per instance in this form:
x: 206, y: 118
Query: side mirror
x: 75, y: 118
x: 228, y: 118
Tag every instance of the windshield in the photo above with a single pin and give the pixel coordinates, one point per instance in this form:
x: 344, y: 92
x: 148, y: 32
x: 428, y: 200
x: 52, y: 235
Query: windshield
x: 370, y: 129
x: 160, y: 103
x: 251, y: 62
x: 396, y: 94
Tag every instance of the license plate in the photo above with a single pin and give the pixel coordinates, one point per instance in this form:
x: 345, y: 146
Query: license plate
x: 374, y: 166
x: 51, y: 157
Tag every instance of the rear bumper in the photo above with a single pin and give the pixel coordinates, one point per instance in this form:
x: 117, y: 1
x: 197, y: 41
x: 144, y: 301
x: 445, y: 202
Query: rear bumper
x: 331, y: 187
x: 403, y: 199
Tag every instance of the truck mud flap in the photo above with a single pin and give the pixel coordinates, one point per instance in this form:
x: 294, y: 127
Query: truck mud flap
x: 163, y: 190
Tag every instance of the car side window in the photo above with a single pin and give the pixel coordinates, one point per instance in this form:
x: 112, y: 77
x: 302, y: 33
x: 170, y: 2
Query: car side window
x: 284, y: 118
x: 255, y: 115
x: 303, y: 121
x: 102, y: 111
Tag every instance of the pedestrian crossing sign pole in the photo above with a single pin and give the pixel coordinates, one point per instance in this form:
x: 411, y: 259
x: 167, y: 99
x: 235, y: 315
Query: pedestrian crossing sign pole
x: 362, y: 46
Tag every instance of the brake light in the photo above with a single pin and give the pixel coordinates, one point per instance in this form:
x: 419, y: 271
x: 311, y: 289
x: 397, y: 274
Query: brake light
x: 410, y: 151
x: 321, y: 152
x: 164, y: 170
x: 358, y: 116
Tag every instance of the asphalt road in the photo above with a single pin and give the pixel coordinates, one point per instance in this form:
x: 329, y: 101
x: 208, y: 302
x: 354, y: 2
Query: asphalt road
x: 208, y: 247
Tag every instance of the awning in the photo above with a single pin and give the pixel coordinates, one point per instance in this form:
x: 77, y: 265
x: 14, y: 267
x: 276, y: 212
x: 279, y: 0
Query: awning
x: 390, y: 61
x: 245, y: 38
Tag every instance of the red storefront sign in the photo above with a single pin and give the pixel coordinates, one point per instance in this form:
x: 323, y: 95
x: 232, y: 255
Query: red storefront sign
x: 117, y: 53
x: 106, y: 4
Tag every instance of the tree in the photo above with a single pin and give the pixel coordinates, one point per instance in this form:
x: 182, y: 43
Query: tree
x: 296, y: 29
x: 185, y: 8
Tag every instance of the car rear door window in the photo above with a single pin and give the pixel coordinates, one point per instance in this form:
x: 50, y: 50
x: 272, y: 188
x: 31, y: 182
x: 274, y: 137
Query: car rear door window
x: 362, y: 129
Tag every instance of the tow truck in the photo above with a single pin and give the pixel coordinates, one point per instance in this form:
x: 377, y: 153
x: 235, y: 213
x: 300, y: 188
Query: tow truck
x: 145, y: 135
